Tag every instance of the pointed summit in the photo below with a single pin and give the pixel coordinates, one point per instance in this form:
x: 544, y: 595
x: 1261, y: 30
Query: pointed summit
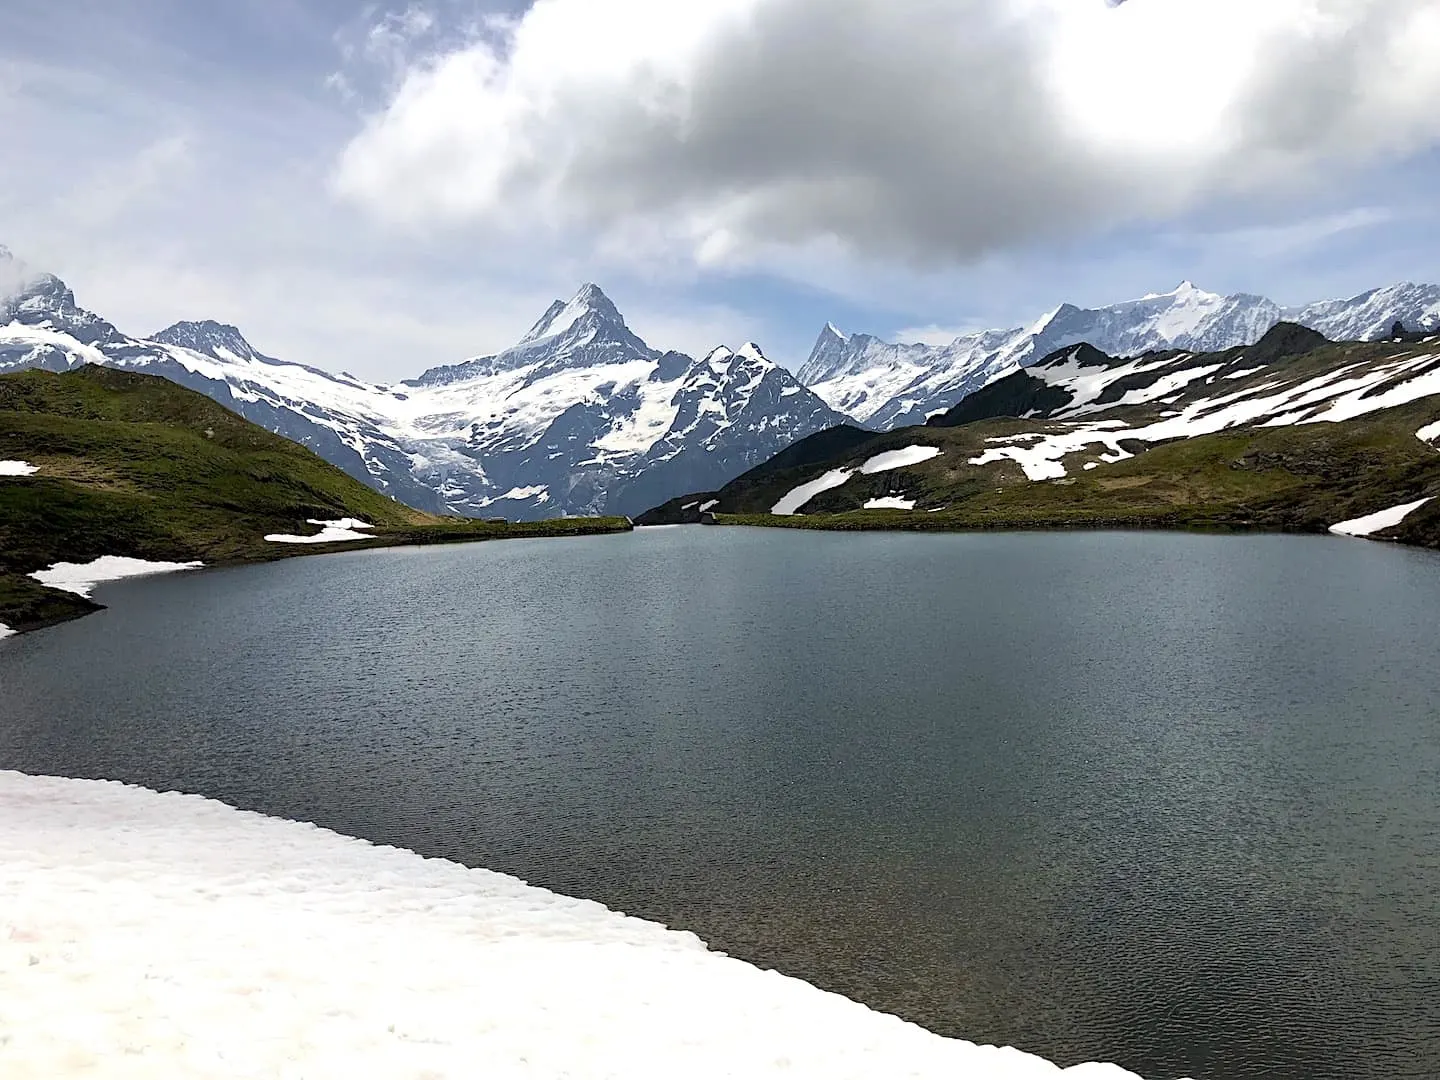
x: 561, y: 316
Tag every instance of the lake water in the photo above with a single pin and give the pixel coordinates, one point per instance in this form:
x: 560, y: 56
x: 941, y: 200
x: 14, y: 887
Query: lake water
x: 1167, y: 800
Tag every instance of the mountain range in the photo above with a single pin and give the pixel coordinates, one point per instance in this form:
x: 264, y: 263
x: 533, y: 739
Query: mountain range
x: 583, y: 417
x: 886, y: 386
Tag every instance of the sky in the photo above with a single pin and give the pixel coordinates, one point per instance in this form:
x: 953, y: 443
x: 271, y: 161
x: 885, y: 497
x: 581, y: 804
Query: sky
x: 381, y: 189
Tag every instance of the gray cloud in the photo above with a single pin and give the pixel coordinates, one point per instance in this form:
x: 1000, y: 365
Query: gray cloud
x: 929, y: 132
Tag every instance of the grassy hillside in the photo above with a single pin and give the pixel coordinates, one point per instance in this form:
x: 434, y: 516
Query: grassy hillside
x: 1295, y: 477
x: 135, y: 465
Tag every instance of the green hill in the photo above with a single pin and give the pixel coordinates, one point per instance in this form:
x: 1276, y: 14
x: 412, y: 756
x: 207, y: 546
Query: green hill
x: 135, y: 465
x: 1294, y: 433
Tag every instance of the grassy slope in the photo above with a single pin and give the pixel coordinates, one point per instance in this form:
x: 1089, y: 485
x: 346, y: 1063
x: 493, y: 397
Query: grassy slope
x: 136, y: 465
x: 1302, y: 478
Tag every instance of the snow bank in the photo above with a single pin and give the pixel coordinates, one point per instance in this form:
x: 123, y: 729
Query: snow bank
x: 798, y: 497
x: 168, y: 935
x: 1377, y: 522
x: 705, y: 508
x: 331, y: 532
x: 890, y: 502
x: 5, y: 631
x: 1429, y: 433
x: 81, y: 578
x: 899, y: 459
x: 17, y: 468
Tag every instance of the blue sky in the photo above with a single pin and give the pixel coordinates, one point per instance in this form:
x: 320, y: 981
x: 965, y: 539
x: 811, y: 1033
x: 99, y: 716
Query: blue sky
x: 385, y: 189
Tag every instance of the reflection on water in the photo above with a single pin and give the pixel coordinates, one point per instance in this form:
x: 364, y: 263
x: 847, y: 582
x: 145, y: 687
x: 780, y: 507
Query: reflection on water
x: 1159, y: 799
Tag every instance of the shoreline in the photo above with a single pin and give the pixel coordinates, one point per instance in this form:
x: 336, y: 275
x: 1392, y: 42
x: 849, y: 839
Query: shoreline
x: 22, y: 594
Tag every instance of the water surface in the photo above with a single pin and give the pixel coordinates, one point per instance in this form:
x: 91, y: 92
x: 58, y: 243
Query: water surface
x: 1166, y: 800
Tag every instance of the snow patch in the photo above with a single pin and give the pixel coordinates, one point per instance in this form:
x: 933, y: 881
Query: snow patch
x: 1429, y: 433
x: 705, y: 508
x: 331, y: 532
x: 5, y: 631
x: 17, y: 468
x: 221, y: 943
x: 899, y: 459
x: 1378, y: 521
x: 798, y: 497
x: 81, y: 578
x: 890, y: 502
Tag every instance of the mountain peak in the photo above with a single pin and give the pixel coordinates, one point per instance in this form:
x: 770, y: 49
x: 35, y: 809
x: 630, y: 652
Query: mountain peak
x: 1184, y: 290
x: 214, y: 339
x: 561, y: 316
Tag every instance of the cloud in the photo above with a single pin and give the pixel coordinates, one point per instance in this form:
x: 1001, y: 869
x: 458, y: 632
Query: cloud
x: 932, y: 133
x: 1291, y: 239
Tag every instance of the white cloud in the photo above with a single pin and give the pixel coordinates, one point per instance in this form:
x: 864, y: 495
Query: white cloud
x: 926, y: 132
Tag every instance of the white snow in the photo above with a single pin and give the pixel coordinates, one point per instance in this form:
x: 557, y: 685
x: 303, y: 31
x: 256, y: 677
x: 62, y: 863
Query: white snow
x: 1429, y: 433
x: 705, y: 508
x: 890, y: 502
x: 331, y: 532
x: 900, y: 459
x: 81, y: 578
x: 150, y: 935
x: 1378, y: 521
x: 1332, y: 396
x: 798, y: 497
x: 17, y: 468
x: 5, y: 631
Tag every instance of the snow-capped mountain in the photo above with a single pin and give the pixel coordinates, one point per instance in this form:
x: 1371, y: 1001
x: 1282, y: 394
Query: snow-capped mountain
x: 580, y: 417
x: 1369, y: 316
x: 887, y: 386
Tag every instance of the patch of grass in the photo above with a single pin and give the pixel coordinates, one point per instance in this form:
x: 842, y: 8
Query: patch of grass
x: 135, y: 465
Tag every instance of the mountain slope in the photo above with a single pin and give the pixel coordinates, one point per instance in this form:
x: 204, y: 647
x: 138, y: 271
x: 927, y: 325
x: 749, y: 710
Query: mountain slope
x: 580, y: 417
x: 133, y: 466
x: 1294, y: 432
x: 888, y: 386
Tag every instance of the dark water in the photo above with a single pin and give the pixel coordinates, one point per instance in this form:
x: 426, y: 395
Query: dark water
x: 1171, y: 801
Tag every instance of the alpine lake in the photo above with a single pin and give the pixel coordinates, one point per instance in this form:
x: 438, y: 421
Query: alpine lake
x: 1167, y: 800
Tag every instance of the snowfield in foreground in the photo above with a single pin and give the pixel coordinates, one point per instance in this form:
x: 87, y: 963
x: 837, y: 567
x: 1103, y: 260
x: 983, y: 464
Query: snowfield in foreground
x: 148, y: 935
x: 81, y: 578
x: 17, y: 468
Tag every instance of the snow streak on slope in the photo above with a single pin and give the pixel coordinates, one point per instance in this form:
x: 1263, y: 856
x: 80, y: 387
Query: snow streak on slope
x: 1379, y: 521
x: 1267, y: 398
x: 797, y: 497
x: 17, y: 468
x: 169, y: 935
